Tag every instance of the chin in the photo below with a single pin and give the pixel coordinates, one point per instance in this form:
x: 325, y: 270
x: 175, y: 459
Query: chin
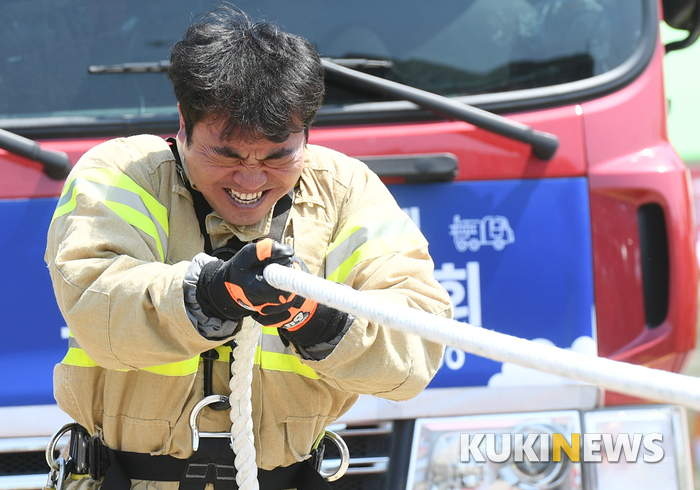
x: 239, y: 216
x: 244, y: 219
x: 239, y: 221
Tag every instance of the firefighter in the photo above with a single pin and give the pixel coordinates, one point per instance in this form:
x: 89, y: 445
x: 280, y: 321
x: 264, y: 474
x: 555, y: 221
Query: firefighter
x: 156, y: 250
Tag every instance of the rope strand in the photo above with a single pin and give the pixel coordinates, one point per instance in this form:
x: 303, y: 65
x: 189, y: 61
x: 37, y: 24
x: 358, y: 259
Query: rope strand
x: 241, y: 406
x: 617, y: 376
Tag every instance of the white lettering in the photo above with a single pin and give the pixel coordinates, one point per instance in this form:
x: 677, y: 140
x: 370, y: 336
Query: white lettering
x: 544, y: 447
x: 499, y: 448
x: 452, y: 280
x: 622, y: 444
x: 474, y: 293
x: 523, y: 449
x: 470, y: 448
x: 657, y: 452
x: 491, y: 448
x: 591, y: 448
x: 454, y: 358
x: 464, y: 287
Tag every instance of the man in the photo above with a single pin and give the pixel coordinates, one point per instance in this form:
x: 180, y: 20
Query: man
x: 156, y: 259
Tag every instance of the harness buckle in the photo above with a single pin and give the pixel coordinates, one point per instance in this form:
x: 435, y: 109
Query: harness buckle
x: 196, y: 435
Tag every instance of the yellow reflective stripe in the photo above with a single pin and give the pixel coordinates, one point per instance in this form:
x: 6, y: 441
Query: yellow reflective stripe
x: 288, y: 363
x: 224, y: 352
x: 272, y: 355
x: 180, y: 368
x: 123, y: 196
x: 368, y: 234
x: 273, y: 358
x: 270, y: 331
x: 78, y: 357
x: 372, y: 250
x: 115, y: 178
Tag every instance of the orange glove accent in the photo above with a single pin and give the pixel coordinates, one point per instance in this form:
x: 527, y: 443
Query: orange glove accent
x: 236, y: 288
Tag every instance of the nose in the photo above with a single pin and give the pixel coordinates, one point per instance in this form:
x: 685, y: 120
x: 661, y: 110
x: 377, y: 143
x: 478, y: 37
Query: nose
x: 250, y: 178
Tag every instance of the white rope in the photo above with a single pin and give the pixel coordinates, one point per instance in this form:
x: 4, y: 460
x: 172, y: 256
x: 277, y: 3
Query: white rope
x: 617, y: 376
x: 241, y: 406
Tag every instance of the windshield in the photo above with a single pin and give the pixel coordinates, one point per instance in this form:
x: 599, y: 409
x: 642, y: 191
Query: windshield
x: 451, y: 48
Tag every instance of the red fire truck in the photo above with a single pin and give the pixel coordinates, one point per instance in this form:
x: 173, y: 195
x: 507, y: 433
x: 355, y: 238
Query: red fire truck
x: 526, y: 138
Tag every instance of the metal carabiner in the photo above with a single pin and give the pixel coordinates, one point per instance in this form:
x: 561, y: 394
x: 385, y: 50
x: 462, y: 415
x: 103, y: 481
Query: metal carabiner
x: 57, y: 475
x: 196, y: 435
x: 344, y: 457
x: 51, y: 446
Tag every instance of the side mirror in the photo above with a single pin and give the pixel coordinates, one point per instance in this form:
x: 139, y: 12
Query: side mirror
x: 682, y: 14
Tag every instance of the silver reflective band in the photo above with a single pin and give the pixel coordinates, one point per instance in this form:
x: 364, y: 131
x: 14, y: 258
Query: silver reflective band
x: 120, y: 196
x: 359, y: 237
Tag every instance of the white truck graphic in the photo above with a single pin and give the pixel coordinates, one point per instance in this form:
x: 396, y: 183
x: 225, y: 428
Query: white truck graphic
x: 472, y: 234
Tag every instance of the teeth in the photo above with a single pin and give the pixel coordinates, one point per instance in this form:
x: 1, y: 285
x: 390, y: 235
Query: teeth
x: 244, y: 198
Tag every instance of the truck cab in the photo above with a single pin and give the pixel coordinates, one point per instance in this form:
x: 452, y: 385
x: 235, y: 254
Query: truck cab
x: 526, y: 138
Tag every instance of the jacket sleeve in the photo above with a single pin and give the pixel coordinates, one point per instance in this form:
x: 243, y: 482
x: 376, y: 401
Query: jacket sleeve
x: 377, y: 249
x: 106, y: 253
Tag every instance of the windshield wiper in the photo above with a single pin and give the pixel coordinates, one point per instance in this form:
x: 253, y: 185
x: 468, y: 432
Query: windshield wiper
x: 136, y: 67
x: 357, y: 63
x: 544, y: 145
x: 162, y: 66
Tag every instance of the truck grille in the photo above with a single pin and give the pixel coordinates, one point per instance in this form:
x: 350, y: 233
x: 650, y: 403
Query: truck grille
x: 377, y: 454
x: 26, y: 463
x: 23, y: 463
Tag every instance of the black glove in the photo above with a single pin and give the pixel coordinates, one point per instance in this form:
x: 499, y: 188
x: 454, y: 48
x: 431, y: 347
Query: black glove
x: 291, y: 312
x: 236, y: 288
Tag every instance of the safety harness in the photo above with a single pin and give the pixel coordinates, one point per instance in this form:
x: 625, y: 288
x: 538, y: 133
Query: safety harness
x: 211, y: 463
x: 212, y: 459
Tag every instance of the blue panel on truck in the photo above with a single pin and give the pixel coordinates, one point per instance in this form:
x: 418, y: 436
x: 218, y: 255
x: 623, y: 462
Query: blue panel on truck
x: 515, y: 256
x: 29, y: 317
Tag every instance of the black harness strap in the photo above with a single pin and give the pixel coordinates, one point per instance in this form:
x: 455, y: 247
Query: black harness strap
x: 201, y: 206
x: 212, y: 463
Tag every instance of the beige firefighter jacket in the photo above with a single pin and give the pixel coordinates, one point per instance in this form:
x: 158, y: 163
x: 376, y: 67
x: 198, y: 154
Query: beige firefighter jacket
x: 119, y: 245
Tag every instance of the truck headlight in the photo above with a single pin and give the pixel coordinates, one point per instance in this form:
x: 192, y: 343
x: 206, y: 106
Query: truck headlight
x: 643, y: 447
x: 673, y: 470
x: 439, y: 461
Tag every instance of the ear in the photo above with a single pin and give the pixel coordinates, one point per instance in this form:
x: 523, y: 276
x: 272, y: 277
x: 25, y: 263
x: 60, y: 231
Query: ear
x: 181, y: 134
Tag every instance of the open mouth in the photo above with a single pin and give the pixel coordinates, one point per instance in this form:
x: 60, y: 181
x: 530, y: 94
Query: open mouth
x: 245, y: 198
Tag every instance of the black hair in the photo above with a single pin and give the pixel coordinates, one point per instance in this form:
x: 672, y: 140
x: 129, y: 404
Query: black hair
x: 261, y: 81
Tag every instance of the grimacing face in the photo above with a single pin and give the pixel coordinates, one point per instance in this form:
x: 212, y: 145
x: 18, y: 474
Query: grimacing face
x: 241, y: 179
